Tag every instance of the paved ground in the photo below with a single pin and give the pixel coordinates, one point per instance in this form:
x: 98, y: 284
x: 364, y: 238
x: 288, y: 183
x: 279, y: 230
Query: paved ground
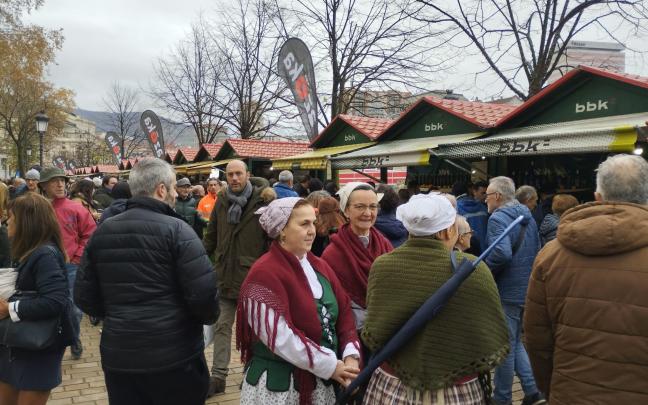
x: 83, y: 381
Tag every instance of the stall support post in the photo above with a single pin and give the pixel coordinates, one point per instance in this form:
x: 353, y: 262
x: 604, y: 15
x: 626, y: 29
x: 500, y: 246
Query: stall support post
x: 384, y: 175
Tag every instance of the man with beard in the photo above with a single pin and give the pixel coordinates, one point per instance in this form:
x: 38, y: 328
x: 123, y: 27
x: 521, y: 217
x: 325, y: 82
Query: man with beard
x: 236, y: 240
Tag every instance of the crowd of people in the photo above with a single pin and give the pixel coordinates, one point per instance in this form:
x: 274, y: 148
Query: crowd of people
x: 314, y: 279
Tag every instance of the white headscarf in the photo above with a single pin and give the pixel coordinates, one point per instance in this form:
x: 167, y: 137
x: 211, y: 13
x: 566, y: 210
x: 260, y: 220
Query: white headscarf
x: 345, y: 193
x: 426, y: 214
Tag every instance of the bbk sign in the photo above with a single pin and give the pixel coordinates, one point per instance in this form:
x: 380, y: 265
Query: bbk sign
x: 515, y: 147
x: 434, y: 126
x: 591, y: 106
x: 349, y: 138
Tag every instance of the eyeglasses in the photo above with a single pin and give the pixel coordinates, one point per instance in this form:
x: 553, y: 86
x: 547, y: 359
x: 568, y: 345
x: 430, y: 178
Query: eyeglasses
x: 363, y: 207
x: 467, y: 233
x: 489, y: 194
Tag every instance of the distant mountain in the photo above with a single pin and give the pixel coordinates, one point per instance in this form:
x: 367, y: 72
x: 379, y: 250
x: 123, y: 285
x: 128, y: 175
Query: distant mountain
x: 179, y: 134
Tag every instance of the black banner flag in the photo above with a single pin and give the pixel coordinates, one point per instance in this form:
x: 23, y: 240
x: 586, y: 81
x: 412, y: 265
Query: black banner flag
x: 114, y: 144
x: 72, y: 164
x: 59, y: 162
x: 295, y: 66
x: 151, y: 126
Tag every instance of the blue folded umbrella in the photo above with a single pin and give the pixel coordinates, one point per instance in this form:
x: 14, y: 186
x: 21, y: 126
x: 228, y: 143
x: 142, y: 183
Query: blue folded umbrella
x: 424, y: 314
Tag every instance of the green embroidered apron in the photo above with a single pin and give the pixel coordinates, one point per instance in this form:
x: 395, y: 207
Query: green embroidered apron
x: 279, y: 371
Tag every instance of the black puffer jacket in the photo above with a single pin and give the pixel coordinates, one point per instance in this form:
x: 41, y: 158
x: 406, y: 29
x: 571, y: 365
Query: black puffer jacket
x: 146, y: 273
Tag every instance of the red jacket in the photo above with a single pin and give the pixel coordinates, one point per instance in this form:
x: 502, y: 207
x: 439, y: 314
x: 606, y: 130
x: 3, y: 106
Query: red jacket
x: 76, y: 224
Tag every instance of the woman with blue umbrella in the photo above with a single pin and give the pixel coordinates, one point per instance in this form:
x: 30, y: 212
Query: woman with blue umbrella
x: 449, y: 359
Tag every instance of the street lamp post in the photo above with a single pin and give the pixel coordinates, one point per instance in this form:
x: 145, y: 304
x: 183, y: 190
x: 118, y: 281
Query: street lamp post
x: 41, y: 126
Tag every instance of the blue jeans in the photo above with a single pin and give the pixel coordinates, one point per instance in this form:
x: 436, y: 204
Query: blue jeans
x: 71, y: 277
x: 517, y: 361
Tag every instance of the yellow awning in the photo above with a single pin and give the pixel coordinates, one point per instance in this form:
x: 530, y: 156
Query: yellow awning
x: 206, y: 167
x: 183, y: 168
x: 316, y: 159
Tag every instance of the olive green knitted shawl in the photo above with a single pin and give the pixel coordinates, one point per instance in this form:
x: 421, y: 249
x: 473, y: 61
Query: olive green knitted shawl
x: 468, y: 336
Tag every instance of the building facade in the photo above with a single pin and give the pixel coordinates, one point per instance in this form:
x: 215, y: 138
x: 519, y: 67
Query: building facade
x: 604, y: 55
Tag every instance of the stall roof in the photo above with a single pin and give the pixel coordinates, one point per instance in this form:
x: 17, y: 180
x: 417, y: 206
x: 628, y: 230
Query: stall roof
x: 208, y: 151
x: 316, y: 159
x: 409, y: 152
x: 106, y: 169
x: 454, y: 117
x: 170, y: 154
x: 254, y: 148
x: 572, y: 81
x: 368, y: 128
x: 607, y: 134
x: 185, y: 155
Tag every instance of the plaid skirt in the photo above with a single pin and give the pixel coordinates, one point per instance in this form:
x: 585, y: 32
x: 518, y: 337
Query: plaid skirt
x: 386, y: 389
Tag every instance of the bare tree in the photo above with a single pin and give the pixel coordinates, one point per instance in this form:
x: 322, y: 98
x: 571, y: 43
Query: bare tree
x: 187, y: 84
x: 523, y: 41
x: 121, y: 103
x: 367, y: 44
x: 12, y: 11
x: 90, y: 150
x: 248, y: 45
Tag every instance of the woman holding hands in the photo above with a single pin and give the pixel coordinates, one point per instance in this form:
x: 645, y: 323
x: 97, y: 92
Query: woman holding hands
x: 295, y: 328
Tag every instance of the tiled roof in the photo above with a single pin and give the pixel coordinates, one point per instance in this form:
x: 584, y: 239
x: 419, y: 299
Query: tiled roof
x: 634, y: 80
x: 266, y: 149
x: 368, y: 126
x: 188, y: 153
x: 371, y: 127
x: 482, y: 114
x: 212, y: 149
x: 107, y: 169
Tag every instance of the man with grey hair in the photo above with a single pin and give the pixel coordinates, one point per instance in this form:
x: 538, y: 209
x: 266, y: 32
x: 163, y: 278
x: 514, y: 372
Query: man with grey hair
x: 284, y: 187
x: 528, y: 196
x: 147, y: 274
x: 511, y: 263
x: 585, y: 324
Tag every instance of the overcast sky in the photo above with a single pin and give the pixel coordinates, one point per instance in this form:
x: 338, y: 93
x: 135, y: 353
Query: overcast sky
x: 115, y: 40
x: 118, y: 40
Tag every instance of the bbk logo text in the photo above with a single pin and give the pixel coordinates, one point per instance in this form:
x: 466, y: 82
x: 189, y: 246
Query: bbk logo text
x: 589, y: 106
x: 434, y: 127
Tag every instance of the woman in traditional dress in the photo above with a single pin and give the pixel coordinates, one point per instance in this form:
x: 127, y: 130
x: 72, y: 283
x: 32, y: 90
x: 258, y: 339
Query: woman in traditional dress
x: 295, y: 328
x: 449, y: 360
x: 352, y: 250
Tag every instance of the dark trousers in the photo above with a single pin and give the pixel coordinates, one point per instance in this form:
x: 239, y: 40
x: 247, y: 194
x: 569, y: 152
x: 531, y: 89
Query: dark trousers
x: 185, y: 385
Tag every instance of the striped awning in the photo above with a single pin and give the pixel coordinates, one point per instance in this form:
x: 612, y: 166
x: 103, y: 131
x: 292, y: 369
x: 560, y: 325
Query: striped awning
x: 408, y: 152
x: 600, y: 135
x: 316, y: 159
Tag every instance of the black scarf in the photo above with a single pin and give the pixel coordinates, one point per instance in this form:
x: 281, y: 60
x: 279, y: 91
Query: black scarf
x: 237, y: 202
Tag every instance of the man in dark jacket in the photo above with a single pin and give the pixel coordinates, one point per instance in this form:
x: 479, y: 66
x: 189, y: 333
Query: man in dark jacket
x: 511, y: 262
x: 474, y: 211
x: 585, y: 320
x: 186, y: 206
x: 146, y: 273
x: 236, y: 240
x: 103, y: 195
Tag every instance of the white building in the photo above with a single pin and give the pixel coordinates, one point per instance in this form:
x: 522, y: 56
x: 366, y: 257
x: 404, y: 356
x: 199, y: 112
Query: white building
x: 604, y: 55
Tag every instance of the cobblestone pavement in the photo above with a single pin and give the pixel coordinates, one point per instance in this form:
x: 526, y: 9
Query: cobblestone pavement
x: 83, y: 381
